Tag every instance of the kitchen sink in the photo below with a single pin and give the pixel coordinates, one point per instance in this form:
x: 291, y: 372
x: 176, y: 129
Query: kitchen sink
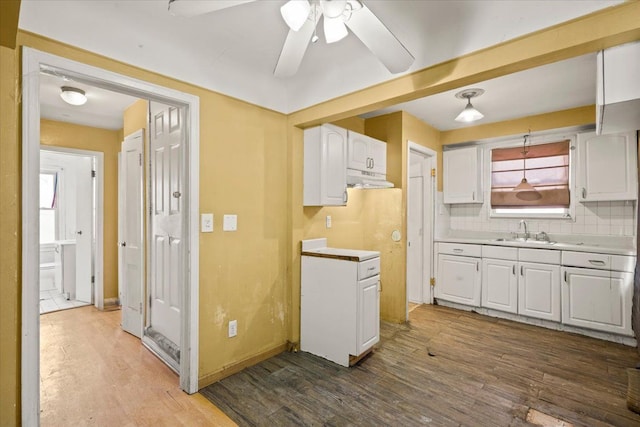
x: 525, y: 241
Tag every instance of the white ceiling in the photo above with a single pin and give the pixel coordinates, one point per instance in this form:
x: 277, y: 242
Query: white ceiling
x: 234, y: 51
x: 104, y: 108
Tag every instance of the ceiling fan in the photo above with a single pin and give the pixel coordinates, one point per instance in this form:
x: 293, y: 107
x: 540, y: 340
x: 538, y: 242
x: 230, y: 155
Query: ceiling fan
x: 302, y: 17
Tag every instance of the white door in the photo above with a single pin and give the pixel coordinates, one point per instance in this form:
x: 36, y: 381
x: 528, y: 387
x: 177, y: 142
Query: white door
x: 500, y: 285
x: 84, y: 228
x: 597, y: 299
x: 377, y: 156
x: 539, y: 291
x: 415, y: 246
x: 368, y: 332
x: 458, y: 279
x: 167, y: 249
x: 130, y: 220
x: 333, y: 186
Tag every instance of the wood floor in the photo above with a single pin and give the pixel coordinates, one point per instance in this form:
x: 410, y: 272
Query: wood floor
x: 446, y: 368
x: 93, y: 373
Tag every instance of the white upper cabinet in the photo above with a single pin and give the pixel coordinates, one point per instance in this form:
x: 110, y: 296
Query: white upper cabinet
x: 367, y: 154
x: 325, y: 166
x: 462, y: 175
x: 618, y: 89
x: 607, y: 167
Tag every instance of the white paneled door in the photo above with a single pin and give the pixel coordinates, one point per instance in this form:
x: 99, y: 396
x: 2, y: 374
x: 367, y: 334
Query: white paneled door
x: 131, y: 265
x: 415, y: 246
x: 166, y: 248
x: 84, y: 228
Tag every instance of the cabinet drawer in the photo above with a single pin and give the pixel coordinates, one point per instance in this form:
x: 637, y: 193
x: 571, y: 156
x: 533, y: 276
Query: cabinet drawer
x: 545, y: 256
x: 500, y: 252
x: 368, y: 268
x: 599, y: 261
x: 460, y: 249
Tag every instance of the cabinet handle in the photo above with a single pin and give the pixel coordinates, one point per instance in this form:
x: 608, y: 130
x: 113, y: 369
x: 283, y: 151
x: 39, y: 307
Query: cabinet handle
x: 514, y: 269
x: 346, y: 196
x: 477, y: 265
x: 565, y: 277
x: 473, y: 195
x: 521, y: 270
x: 596, y: 262
x: 584, y: 193
x: 373, y: 163
x: 458, y: 250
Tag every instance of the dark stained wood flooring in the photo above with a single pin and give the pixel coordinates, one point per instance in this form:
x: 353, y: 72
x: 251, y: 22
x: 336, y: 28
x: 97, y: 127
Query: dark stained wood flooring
x: 445, y: 368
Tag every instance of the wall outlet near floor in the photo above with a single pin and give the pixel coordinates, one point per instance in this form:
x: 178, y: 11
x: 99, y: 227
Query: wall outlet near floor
x: 233, y: 328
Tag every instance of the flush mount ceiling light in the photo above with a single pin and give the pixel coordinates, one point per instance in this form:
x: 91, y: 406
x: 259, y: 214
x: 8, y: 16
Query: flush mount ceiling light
x: 469, y: 114
x: 73, y: 95
x: 525, y: 190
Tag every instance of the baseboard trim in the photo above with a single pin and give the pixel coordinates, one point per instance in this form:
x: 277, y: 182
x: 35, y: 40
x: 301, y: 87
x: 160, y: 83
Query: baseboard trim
x: 110, y: 303
x: 239, y: 366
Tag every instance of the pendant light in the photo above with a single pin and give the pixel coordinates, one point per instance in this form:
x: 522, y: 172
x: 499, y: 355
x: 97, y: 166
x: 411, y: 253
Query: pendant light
x: 469, y: 114
x: 524, y: 190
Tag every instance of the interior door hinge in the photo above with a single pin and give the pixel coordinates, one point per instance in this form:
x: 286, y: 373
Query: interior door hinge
x: 140, y: 159
x: 433, y: 171
x: 150, y: 299
x: 93, y: 279
x: 141, y: 308
x: 93, y: 174
x: 432, y: 281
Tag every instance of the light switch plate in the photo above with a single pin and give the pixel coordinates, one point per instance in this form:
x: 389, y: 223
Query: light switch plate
x: 233, y: 328
x: 328, y: 221
x: 230, y: 223
x: 206, y: 223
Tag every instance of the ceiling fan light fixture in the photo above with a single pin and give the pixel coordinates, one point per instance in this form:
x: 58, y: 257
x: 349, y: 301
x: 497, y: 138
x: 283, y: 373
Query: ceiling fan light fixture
x: 333, y: 8
x: 334, y: 29
x: 72, y: 95
x: 469, y: 114
x: 295, y: 13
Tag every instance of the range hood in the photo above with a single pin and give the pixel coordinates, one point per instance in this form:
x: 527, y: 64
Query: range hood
x: 363, y: 179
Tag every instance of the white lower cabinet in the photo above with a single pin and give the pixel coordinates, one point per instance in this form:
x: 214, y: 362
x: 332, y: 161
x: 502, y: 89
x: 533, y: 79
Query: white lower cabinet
x: 539, y: 291
x: 368, y: 312
x: 597, y: 299
x: 458, y: 279
x: 500, y: 285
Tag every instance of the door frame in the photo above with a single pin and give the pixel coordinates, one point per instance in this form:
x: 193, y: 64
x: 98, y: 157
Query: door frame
x: 33, y: 63
x: 98, y: 243
x: 432, y: 155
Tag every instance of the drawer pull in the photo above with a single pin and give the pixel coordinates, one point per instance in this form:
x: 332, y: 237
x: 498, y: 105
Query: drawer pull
x: 371, y: 268
x: 597, y: 262
x: 514, y: 269
x: 521, y: 270
x: 565, y: 277
x: 458, y: 250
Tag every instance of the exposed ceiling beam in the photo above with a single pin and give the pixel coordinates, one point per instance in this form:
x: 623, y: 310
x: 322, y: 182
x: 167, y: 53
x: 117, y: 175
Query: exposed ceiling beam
x: 9, y: 14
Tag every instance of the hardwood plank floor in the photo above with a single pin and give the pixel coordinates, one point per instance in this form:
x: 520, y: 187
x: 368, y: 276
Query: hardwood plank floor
x: 94, y: 373
x: 445, y: 368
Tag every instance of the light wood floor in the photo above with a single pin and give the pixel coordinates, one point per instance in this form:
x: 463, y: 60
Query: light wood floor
x: 445, y: 368
x: 93, y: 373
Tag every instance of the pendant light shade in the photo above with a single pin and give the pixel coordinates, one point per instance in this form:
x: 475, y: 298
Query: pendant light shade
x: 72, y: 95
x: 524, y: 190
x: 295, y: 13
x: 334, y: 29
x: 469, y: 114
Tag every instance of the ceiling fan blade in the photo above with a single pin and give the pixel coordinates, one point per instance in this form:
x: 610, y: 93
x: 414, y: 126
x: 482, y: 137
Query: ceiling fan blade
x: 191, y: 8
x: 294, y: 48
x: 377, y: 37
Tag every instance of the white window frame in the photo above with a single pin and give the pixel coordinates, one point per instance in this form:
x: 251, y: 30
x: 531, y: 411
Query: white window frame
x: 567, y: 214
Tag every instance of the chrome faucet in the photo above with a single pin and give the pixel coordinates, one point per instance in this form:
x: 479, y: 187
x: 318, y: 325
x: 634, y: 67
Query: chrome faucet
x: 522, y: 224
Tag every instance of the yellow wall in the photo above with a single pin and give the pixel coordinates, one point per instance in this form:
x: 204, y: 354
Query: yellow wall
x: 10, y: 259
x: 60, y: 134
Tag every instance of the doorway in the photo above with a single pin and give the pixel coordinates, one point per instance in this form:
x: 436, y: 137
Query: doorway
x: 35, y: 63
x: 421, y: 172
x: 71, y: 218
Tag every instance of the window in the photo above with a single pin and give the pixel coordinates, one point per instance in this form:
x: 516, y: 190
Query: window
x: 48, y: 203
x: 546, y: 168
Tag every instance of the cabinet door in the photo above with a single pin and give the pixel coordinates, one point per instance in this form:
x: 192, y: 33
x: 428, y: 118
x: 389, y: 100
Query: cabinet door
x: 607, y: 167
x: 358, y: 151
x: 458, y: 279
x: 333, y: 184
x: 539, y: 291
x: 597, y: 299
x: 500, y: 285
x: 368, y: 319
x: 462, y: 179
x: 378, y: 156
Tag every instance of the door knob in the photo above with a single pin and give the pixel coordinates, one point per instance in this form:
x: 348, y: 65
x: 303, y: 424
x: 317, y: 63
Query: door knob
x: 123, y: 244
x: 79, y: 232
x: 177, y: 194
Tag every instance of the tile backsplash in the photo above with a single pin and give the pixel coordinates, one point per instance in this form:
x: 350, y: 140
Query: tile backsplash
x: 594, y: 218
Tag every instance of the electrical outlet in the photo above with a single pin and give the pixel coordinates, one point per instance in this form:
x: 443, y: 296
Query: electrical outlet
x: 328, y: 221
x: 233, y: 328
x: 206, y: 222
